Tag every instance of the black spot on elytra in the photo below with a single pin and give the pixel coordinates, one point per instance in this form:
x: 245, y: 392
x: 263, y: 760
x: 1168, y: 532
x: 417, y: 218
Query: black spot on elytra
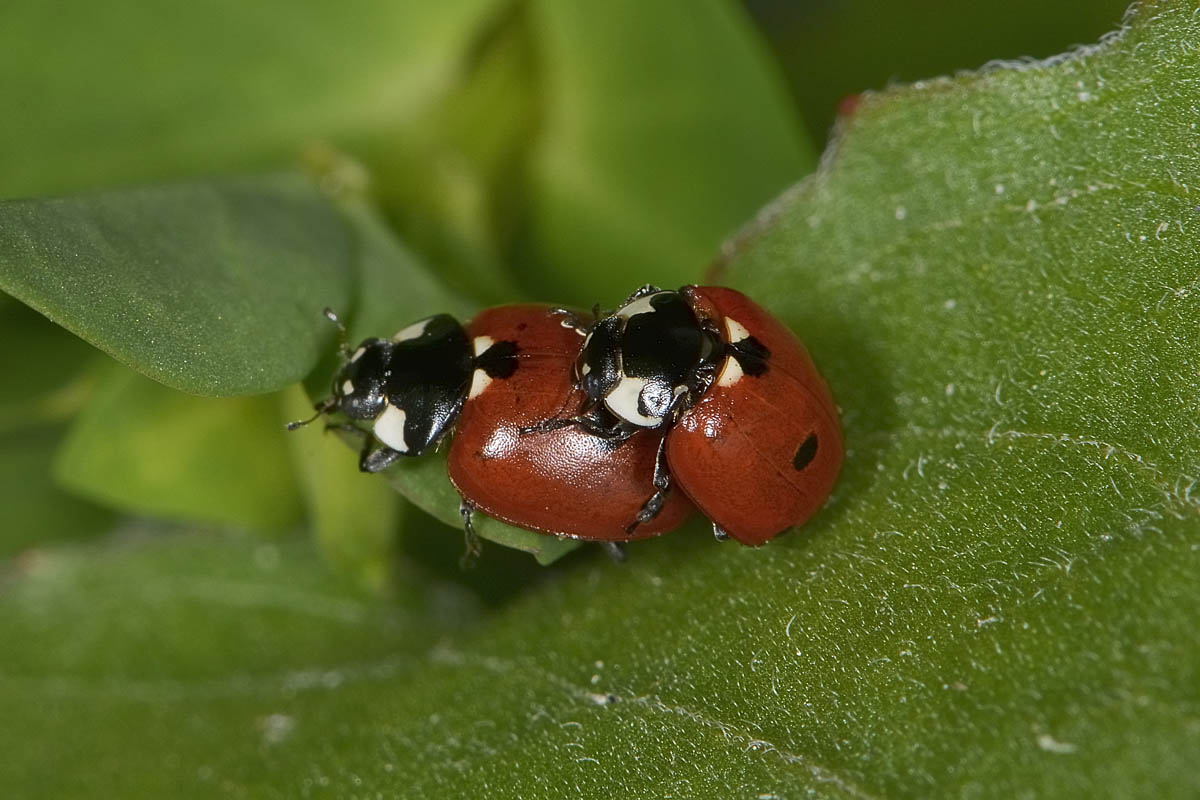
x: 522, y: 326
x: 751, y: 355
x: 805, y: 453
x: 499, y: 360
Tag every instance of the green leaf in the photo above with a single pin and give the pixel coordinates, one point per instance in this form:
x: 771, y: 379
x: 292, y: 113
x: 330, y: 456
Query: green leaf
x: 663, y: 129
x: 211, y: 287
x: 33, y: 510
x: 131, y: 90
x: 142, y: 447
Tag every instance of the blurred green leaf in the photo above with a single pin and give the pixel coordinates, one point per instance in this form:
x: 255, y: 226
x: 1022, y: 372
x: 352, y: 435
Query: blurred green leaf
x: 130, y: 90
x: 48, y: 376
x: 33, y: 510
x: 142, y: 447
x: 663, y: 128
x: 212, y: 288
x: 47, y: 371
x: 450, y: 179
x: 997, y: 274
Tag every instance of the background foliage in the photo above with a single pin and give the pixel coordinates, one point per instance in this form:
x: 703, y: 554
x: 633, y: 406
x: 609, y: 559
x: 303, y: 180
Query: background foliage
x: 996, y: 272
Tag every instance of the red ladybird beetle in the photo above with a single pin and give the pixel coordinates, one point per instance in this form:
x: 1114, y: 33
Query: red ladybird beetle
x: 753, y: 436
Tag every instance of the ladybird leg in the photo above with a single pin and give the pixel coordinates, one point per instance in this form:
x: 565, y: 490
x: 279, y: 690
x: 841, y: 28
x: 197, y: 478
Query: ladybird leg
x: 719, y: 533
x: 642, y: 291
x: 680, y: 403
x: 662, y: 486
x: 378, y: 460
x: 572, y: 320
x: 616, y: 433
x: 589, y: 422
x: 615, y: 551
x: 345, y: 427
x: 472, y: 545
x: 368, y: 460
x: 365, y: 456
x: 703, y: 378
x: 548, y: 425
x: 558, y: 423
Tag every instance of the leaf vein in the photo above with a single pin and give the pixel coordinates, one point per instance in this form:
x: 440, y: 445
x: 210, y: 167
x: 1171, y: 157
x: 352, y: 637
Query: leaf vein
x: 731, y: 732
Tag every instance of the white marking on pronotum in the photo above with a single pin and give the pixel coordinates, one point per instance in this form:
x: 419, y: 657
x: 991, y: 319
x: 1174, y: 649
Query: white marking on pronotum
x: 347, y: 387
x: 639, y: 306
x: 480, y: 379
x: 389, y: 428
x: 482, y: 343
x: 731, y: 372
x: 413, y: 331
x: 357, y: 354
x: 623, y: 401
x: 737, y: 331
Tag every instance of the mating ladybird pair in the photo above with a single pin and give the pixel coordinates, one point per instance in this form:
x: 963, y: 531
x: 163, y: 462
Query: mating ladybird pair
x: 607, y: 428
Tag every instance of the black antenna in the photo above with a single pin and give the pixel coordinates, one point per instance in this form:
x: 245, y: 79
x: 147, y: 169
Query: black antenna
x: 323, y: 407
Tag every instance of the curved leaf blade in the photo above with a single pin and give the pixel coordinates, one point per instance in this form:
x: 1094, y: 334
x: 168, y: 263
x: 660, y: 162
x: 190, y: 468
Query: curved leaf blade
x: 209, y: 287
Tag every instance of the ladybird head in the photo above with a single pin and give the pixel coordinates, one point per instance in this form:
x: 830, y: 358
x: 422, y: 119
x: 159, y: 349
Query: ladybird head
x: 359, y: 388
x: 359, y: 385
